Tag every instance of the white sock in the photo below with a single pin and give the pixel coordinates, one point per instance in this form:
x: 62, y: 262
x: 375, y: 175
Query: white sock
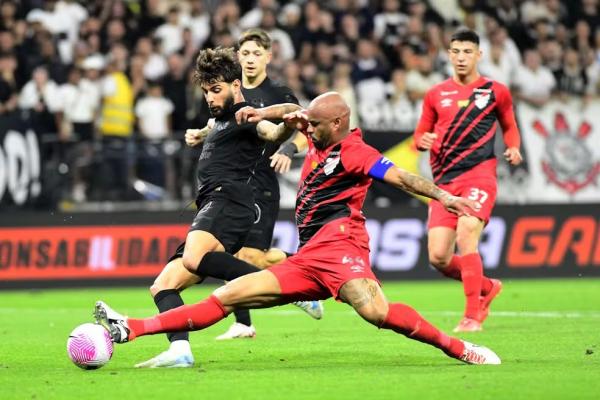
x: 181, y: 346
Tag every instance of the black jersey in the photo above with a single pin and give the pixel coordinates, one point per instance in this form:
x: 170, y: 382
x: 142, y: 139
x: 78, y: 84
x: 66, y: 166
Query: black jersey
x: 229, y: 154
x: 264, y: 95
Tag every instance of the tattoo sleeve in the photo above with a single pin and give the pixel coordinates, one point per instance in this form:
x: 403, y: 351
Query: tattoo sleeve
x: 419, y: 185
x: 359, y: 295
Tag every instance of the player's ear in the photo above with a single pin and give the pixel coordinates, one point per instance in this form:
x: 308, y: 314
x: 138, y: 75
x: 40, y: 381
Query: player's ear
x: 269, y: 56
x: 236, y: 85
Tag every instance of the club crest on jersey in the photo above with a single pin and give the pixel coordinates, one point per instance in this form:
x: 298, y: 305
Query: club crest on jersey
x: 330, y: 164
x: 568, y: 161
x: 314, y: 164
x: 482, y: 100
x: 463, y: 103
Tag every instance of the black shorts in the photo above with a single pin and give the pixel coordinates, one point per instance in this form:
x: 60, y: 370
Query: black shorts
x: 228, y: 220
x: 266, y: 211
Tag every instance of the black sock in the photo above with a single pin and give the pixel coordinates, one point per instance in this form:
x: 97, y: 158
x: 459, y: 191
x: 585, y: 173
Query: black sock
x: 243, y: 317
x: 166, y: 300
x: 224, y: 266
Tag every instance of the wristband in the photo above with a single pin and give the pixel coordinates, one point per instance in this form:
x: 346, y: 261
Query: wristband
x: 288, y: 149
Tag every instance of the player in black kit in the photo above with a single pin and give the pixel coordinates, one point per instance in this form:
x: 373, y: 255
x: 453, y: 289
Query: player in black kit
x: 225, y: 200
x: 260, y: 91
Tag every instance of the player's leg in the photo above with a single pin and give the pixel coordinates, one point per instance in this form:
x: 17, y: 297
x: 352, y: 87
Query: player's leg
x: 174, y: 278
x: 260, y: 289
x: 367, y: 298
x: 166, y: 294
x: 479, y: 290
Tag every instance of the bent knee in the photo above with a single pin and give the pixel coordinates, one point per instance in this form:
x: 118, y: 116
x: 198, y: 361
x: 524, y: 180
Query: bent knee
x: 439, y: 259
x: 191, y: 262
x: 253, y: 256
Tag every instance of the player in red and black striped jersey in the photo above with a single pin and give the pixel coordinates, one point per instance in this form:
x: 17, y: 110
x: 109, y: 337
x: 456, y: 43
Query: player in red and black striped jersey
x: 458, y: 127
x: 333, y: 259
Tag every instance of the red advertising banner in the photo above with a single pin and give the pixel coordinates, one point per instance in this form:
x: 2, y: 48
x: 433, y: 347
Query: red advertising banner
x: 56, y: 253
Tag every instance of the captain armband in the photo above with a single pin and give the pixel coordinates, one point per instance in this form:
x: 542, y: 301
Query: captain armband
x: 379, y: 169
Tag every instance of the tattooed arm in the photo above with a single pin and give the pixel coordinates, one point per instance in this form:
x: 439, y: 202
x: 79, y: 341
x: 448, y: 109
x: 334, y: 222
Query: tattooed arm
x: 416, y: 184
x: 274, y: 112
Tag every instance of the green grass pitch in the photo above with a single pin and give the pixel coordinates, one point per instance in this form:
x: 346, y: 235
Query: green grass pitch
x: 547, y: 333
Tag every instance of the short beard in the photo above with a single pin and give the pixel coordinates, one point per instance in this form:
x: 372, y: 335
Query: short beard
x: 220, y: 111
x: 319, y: 144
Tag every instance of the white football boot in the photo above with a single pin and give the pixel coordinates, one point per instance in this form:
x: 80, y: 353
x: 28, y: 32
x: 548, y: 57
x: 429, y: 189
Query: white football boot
x: 112, y: 321
x: 238, y: 331
x: 474, y: 354
x: 313, y: 308
x: 179, y: 355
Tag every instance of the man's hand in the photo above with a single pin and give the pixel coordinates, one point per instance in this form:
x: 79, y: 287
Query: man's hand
x: 249, y: 114
x: 296, y: 120
x: 513, y: 156
x: 193, y: 137
x: 281, y: 163
x: 426, y: 141
x: 459, y: 205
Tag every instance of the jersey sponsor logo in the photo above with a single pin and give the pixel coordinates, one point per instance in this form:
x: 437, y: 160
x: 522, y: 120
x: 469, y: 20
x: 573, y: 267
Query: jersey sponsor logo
x: 481, y: 90
x: 257, y: 213
x: 482, y: 100
x: 446, y: 103
x: 206, y: 207
x: 568, y: 161
x: 330, y: 164
x: 463, y: 103
x: 449, y: 93
x: 357, y: 264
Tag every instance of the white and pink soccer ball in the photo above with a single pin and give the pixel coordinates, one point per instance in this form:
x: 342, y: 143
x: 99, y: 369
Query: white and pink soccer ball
x: 89, y: 346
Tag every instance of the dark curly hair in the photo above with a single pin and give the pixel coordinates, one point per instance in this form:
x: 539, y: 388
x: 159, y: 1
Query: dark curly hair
x: 217, y: 65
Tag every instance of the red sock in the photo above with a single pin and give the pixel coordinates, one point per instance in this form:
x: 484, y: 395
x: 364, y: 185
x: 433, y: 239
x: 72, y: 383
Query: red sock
x: 185, y: 318
x: 405, y: 320
x: 453, y: 268
x: 472, y: 276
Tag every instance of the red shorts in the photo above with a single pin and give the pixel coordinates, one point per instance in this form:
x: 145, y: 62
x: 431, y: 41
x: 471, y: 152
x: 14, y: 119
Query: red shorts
x: 481, y: 189
x: 323, y: 265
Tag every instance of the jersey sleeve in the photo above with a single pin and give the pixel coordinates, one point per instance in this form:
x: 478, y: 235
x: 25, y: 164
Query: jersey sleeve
x: 289, y: 95
x: 428, y: 117
x: 506, y: 117
x: 359, y: 158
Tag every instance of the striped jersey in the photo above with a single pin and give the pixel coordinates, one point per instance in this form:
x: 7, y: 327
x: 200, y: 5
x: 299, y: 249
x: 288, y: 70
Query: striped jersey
x: 333, y: 185
x: 464, y: 118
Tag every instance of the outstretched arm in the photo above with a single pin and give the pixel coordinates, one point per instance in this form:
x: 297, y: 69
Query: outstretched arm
x: 416, y: 184
x: 274, y: 112
x: 271, y: 132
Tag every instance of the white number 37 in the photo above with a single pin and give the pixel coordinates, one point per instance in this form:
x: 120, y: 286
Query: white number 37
x: 478, y: 195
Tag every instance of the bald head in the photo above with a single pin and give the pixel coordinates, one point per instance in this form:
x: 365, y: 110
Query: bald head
x: 329, y: 105
x: 329, y: 119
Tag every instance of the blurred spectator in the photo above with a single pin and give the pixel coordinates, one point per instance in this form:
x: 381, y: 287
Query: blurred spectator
x: 80, y: 100
x: 533, y: 81
x: 390, y: 25
x: 498, y: 67
x: 154, y: 63
x: 589, y: 12
x: 198, y: 21
x: 116, y: 128
x: 269, y: 24
x: 170, y: 33
x: 8, y: 83
x: 40, y: 100
x: 174, y: 87
x: 419, y: 81
x: 154, y: 114
x: 253, y: 18
x: 571, y: 79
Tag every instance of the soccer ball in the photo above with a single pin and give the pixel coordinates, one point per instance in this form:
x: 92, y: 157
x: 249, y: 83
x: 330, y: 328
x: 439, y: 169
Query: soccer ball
x: 89, y: 346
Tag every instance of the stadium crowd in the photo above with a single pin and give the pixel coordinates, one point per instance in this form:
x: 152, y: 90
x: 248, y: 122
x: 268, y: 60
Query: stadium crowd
x: 93, y: 75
